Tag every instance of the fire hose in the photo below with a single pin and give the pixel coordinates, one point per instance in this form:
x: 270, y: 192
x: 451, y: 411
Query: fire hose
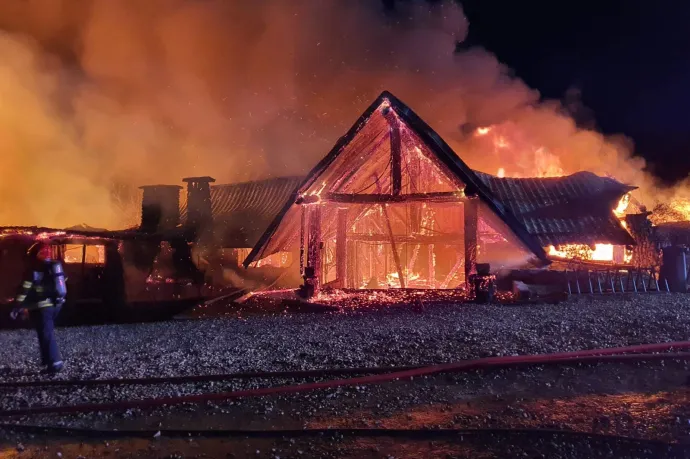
x: 630, y: 353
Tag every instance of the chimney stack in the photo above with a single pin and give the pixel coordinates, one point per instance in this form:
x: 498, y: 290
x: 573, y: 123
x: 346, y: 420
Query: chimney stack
x: 199, y: 213
x: 160, y: 207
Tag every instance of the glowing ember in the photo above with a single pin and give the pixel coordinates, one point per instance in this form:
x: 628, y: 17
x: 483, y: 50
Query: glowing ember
x: 601, y: 252
x: 394, y: 279
x: 154, y: 279
x: 483, y: 130
x: 350, y: 299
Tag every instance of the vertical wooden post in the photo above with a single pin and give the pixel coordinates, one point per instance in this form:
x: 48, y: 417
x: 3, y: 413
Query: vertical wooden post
x: 351, y: 265
x: 396, y: 157
x: 432, y: 266
x: 314, y: 244
x: 302, y: 229
x: 470, y: 213
x: 341, y: 248
x: 394, y: 247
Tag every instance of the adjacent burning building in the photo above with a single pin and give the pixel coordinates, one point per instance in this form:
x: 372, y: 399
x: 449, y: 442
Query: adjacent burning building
x: 393, y: 206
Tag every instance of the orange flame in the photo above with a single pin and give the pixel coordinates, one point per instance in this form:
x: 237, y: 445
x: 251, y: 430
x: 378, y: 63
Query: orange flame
x: 622, y: 206
x: 601, y: 252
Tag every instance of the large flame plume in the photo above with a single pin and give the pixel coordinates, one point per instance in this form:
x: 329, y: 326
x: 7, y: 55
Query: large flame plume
x: 100, y: 96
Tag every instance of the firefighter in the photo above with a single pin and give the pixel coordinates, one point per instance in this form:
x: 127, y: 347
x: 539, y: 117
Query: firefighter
x: 43, y: 294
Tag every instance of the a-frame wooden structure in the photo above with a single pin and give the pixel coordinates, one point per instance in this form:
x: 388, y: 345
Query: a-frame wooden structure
x: 393, y: 184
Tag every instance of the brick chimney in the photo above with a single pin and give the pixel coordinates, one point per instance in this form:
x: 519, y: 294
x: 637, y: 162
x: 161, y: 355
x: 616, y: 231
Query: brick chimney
x: 199, y: 213
x: 160, y: 207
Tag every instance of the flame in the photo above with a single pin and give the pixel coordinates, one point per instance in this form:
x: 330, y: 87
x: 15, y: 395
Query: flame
x: 682, y: 207
x: 622, y: 206
x: 394, y: 279
x: 601, y: 252
x: 627, y: 256
x: 675, y: 210
x: 501, y: 172
x: 523, y: 158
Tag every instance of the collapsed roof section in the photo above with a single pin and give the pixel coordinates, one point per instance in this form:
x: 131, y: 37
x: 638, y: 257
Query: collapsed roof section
x: 364, y: 168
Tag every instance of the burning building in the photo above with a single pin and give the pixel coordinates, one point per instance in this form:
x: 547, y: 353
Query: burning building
x: 392, y: 205
x: 182, y: 250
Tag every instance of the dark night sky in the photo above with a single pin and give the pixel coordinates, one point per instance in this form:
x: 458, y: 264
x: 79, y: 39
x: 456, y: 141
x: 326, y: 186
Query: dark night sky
x: 630, y: 59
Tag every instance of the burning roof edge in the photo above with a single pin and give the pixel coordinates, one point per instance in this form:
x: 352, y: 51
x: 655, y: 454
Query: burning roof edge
x: 474, y: 186
x: 79, y: 231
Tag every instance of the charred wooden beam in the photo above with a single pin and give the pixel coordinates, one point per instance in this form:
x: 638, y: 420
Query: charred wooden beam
x: 396, y: 158
x: 470, y: 213
x: 302, y: 228
x: 442, y: 196
x: 408, y: 238
x: 314, y: 245
x: 432, y: 266
x: 308, y: 199
x: 351, y: 264
x: 341, y: 248
x: 394, y: 248
x: 396, y: 150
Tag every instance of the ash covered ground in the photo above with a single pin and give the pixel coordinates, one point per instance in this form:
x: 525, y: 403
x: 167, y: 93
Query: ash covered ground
x: 648, y: 400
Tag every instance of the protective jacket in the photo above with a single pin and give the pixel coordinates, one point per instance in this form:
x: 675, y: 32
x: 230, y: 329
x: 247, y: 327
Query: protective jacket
x: 44, y: 286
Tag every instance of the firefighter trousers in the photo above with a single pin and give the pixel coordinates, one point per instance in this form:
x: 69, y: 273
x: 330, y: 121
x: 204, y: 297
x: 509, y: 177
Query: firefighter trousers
x: 44, y: 323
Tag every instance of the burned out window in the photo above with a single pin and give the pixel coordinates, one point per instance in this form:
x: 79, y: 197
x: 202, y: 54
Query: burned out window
x: 73, y: 253
x: 81, y: 253
x: 94, y: 255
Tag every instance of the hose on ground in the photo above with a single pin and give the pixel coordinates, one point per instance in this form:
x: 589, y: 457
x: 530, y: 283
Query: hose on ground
x: 317, y: 373
x: 593, y: 355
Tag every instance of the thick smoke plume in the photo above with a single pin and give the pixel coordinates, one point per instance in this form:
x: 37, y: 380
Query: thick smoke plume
x: 98, y: 97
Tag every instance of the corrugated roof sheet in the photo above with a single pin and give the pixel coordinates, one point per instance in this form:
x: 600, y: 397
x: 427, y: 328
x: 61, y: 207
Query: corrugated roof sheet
x: 564, y: 210
x: 242, y: 211
x: 673, y: 233
x: 264, y: 198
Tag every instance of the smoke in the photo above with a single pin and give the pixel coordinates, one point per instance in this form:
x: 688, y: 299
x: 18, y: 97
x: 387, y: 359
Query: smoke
x: 98, y: 97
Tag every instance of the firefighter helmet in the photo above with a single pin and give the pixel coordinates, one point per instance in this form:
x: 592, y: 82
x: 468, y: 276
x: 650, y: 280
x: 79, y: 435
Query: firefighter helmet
x: 40, y: 251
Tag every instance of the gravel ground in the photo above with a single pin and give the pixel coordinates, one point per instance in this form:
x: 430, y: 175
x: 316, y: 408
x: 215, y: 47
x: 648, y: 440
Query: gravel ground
x: 397, y: 336
x: 615, y: 396
x: 483, y: 447
x: 640, y: 400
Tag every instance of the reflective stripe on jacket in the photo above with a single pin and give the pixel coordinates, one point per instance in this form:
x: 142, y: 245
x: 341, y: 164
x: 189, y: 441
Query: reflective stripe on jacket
x: 32, y: 294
